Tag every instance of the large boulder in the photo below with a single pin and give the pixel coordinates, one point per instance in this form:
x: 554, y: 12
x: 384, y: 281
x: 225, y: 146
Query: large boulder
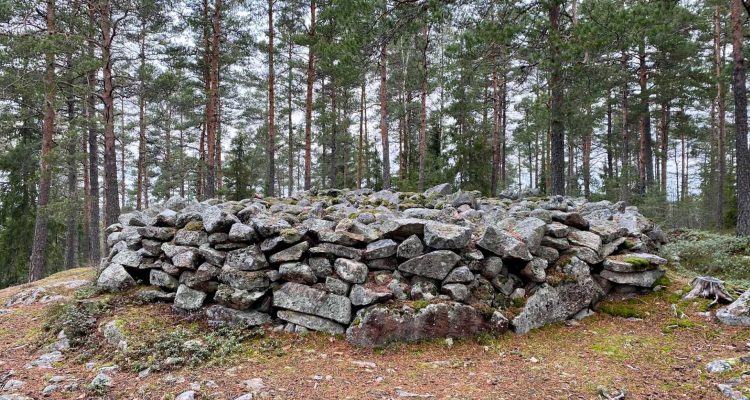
x: 379, y: 325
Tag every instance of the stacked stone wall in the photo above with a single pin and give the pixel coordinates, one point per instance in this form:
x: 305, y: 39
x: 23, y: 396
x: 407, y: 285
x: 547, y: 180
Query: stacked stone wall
x: 384, y: 266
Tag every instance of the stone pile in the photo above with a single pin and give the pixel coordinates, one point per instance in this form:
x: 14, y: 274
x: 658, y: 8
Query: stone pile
x: 384, y: 266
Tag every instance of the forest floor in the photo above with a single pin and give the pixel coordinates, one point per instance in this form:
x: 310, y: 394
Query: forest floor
x: 640, y: 345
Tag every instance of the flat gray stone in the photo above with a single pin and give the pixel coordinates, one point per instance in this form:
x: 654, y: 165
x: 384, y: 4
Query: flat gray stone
x: 410, y: 248
x: 190, y: 238
x: 460, y: 274
x: 364, y: 296
x: 188, y: 299
x: 311, y: 322
x: 293, y: 253
x: 219, y: 315
x: 350, y: 270
x: 642, y: 279
x: 304, y: 299
x: 114, y: 278
x: 237, y: 298
x: 247, y: 280
x: 504, y: 244
x: 162, y: 279
x: 249, y: 258
x: 446, y: 236
x: 380, y: 249
x: 435, y: 265
x: 297, y: 272
x: 737, y: 313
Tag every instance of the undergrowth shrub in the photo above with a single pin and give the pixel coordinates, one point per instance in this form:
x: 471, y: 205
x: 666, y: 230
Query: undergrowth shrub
x: 188, y: 347
x: 724, y: 256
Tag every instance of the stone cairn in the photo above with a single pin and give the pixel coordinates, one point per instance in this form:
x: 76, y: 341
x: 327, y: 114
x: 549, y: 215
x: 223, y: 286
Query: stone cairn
x: 384, y: 266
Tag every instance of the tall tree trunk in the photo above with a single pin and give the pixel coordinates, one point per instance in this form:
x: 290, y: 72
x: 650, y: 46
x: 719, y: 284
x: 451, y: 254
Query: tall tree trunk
x: 112, y: 205
x: 213, y: 102
x: 290, y: 145
x: 740, y: 120
x: 123, y: 135
x: 271, y: 109
x: 308, y: 99
x: 610, y: 157
x: 39, y: 247
x: 423, y: 121
x: 384, y: 117
x: 664, y: 137
x: 71, y: 224
x: 646, y: 164
x: 625, y: 176
x: 360, y: 145
x: 557, y: 158
x: 586, y: 163
x: 93, y: 161
x: 141, y: 119
x: 334, y: 133
x: 495, y: 132
x: 684, y: 163
x: 721, y: 117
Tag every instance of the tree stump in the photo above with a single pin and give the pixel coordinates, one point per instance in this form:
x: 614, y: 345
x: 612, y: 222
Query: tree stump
x: 709, y: 287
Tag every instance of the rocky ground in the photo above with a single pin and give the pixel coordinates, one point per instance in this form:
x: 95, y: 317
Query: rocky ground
x: 654, y: 347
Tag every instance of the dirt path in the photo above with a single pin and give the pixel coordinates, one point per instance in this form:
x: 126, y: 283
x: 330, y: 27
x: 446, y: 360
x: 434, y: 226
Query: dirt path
x: 654, y: 357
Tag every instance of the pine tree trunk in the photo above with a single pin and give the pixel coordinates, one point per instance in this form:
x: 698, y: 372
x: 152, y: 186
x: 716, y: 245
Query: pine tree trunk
x: 270, y: 181
x: 610, y: 157
x: 664, y: 137
x: 557, y: 158
x: 423, y: 120
x: 123, y: 135
x: 334, y: 142
x: 740, y: 120
x: 495, y: 132
x: 71, y: 224
x: 39, y: 247
x: 360, y: 145
x: 645, y: 166
x: 290, y: 145
x: 625, y: 173
x: 721, y: 117
x: 384, y: 118
x: 112, y: 206
x: 309, y: 100
x: 93, y: 161
x: 141, y: 120
x: 212, y: 117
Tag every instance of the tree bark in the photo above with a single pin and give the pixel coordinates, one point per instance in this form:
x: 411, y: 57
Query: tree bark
x: 495, y: 132
x: 721, y: 118
x: 384, y: 117
x: 646, y: 164
x: 423, y: 120
x: 141, y: 119
x: 93, y: 160
x: 212, y: 111
x: 740, y: 120
x: 360, y: 146
x: 112, y: 203
x: 557, y: 158
x: 309, y: 99
x: 39, y: 247
x: 271, y: 178
x: 664, y: 137
x: 290, y: 145
x: 625, y: 176
x: 71, y: 224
